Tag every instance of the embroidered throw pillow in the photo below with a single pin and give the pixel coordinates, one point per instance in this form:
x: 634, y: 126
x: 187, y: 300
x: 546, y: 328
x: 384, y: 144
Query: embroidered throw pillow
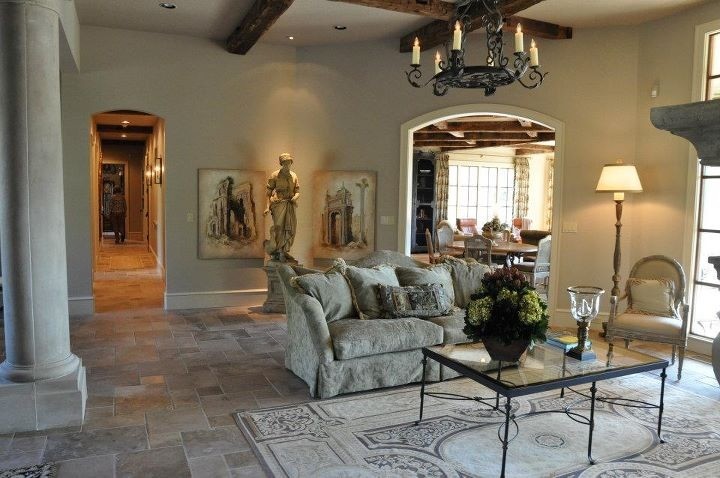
x: 651, y: 296
x: 436, y: 274
x: 413, y: 301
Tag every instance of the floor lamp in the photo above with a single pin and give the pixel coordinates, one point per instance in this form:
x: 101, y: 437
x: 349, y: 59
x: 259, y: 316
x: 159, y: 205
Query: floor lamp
x: 619, y: 179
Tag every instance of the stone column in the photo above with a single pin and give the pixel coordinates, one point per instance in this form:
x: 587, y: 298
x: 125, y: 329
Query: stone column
x: 44, y: 383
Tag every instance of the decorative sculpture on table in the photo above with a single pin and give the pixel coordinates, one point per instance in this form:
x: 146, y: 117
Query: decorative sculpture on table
x: 283, y: 191
x: 584, y: 306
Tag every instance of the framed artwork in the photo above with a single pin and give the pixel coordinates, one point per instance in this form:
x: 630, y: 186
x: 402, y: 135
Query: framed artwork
x: 228, y: 224
x: 344, y: 214
x: 158, y: 170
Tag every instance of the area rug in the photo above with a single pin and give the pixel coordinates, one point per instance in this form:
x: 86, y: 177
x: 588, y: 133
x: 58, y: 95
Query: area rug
x: 374, y: 435
x: 46, y: 470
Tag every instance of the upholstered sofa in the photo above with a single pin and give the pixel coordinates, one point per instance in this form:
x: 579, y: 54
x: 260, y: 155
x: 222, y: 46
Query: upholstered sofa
x: 336, y: 348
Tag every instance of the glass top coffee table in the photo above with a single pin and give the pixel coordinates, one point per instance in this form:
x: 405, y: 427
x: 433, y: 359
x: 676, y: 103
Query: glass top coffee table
x: 544, y: 368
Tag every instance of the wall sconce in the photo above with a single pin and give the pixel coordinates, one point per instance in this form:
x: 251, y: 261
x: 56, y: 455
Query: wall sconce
x: 158, y: 170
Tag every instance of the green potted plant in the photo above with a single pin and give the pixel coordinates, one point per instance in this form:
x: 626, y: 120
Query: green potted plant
x: 507, y: 314
x: 493, y: 229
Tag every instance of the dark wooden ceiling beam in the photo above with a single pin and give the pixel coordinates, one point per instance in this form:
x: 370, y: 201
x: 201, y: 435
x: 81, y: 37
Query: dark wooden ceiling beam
x: 113, y: 128
x: 534, y: 149
x: 430, y: 8
x: 537, y: 29
x: 483, y: 136
x: 437, y: 32
x: 485, y: 126
x: 480, y: 144
x: 257, y: 21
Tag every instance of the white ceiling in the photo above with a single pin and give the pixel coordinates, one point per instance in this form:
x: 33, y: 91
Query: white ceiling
x: 311, y: 21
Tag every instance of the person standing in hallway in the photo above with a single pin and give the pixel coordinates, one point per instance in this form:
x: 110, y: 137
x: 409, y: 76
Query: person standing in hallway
x: 117, y: 211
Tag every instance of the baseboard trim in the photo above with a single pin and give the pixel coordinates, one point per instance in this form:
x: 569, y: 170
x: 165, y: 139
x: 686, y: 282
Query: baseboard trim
x: 215, y: 298
x: 81, y: 305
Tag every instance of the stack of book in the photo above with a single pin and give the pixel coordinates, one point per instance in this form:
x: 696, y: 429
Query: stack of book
x: 564, y: 340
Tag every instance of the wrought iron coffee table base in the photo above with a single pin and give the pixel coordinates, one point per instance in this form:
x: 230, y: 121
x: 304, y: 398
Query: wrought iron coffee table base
x: 510, y: 418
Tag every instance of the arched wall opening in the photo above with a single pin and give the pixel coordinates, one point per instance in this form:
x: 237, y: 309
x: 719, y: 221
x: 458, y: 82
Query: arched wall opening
x: 407, y: 131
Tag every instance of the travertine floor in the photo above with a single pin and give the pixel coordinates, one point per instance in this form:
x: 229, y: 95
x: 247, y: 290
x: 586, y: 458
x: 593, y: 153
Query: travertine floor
x: 162, y: 386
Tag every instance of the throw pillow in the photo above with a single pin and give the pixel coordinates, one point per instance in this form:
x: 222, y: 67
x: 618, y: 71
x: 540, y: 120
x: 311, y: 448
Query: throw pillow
x: 435, y: 274
x: 413, y: 301
x: 331, y: 290
x: 466, y: 277
x: 363, y: 285
x: 651, y: 296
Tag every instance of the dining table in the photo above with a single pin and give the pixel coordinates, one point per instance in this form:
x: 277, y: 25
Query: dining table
x: 512, y: 250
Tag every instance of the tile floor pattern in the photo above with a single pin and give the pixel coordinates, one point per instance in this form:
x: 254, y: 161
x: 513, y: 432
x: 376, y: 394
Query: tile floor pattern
x: 162, y: 386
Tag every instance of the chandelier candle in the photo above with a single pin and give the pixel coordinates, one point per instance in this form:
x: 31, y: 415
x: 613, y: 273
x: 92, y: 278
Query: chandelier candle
x: 437, y: 63
x: 533, y: 54
x: 457, y: 37
x: 416, y: 52
x: 519, y: 47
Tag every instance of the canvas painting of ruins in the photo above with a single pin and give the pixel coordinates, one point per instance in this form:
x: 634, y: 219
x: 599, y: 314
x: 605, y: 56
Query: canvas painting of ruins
x: 344, y: 214
x: 230, y: 220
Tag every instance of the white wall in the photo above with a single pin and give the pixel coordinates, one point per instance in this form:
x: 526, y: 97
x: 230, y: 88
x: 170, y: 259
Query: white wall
x: 220, y: 111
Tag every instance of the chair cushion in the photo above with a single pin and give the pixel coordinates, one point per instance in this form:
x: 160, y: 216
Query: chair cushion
x: 353, y: 338
x: 649, y: 324
x: 427, y: 300
x: 364, y: 282
x: 452, y: 325
x: 466, y: 277
x: 331, y: 290
x: 437, y: 274
x: 652, y: 296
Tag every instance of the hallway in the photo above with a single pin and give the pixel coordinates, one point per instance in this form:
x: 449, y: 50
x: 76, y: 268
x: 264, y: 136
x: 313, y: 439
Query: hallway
x: 127, y: 277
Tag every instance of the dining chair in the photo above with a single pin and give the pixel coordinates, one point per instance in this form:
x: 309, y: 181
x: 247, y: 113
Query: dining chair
x: 532, y: 236
x: 467, y: 226
x: 656, y: 309
x: 538, y: 272
x: 478, y: 246
x: 433, y: 256
x: 445, y: 238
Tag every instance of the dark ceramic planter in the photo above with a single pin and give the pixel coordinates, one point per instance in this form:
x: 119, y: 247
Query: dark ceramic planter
x: 505, y: 353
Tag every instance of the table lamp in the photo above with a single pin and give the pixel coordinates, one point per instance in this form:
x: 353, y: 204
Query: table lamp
x: 619, y: 179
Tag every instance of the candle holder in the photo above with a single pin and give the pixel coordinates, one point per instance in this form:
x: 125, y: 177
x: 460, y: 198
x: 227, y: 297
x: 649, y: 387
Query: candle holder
x: 584, y: 306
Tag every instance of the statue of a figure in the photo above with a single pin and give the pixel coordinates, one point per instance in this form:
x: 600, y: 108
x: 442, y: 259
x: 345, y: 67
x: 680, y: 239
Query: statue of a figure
x: 283, y: 191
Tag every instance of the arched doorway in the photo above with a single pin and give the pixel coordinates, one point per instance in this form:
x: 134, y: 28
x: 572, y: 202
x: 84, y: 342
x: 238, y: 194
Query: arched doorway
x: 127, y: 154
x: 409, y: 128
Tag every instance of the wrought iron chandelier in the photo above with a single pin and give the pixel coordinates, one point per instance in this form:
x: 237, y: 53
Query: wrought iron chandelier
x: 453, y: 73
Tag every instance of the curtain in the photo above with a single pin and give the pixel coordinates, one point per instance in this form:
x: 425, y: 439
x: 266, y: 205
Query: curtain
x: 522, y: 187
x: 442, y: 168
x: 549, y: 193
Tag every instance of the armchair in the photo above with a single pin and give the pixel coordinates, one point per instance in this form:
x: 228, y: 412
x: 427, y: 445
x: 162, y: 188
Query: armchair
x: 538, y: 272
x: 656, y: 310
x: 468, y: 226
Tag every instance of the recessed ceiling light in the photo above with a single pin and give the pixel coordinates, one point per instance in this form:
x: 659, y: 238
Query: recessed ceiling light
x: 168, y: 5
x: 340, y: 27
x: 123, y: 135
x: 125, y: 122
x: 290, y: 37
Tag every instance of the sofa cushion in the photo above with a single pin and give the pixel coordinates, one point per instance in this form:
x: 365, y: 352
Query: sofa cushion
x: 452, y: 325
x: 331, y: 290
x: 652, y: 296
x: 427, y: 300
x: 353, y: 338
x: 436, y: 274
x: 466, y: 277
x: 364, y: 284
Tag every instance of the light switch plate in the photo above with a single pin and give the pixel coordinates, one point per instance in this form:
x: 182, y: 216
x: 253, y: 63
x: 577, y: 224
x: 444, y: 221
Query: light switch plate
x: 569, y: 226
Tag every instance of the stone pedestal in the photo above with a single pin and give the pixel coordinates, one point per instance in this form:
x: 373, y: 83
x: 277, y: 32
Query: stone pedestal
x: 275, y: 300
x: 42, y: 383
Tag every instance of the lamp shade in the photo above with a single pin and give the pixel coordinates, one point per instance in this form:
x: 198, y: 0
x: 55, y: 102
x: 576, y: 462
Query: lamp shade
x: 619, y: 178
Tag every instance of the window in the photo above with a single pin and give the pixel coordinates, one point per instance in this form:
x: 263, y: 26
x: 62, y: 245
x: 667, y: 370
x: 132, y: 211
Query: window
x: 712, y: 79
x: 480, y: 191
x: 706, y: 286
